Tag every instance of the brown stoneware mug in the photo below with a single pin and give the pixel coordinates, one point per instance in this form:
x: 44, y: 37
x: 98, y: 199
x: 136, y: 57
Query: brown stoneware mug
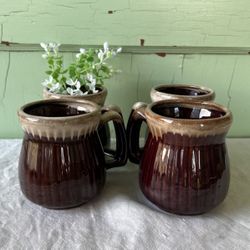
x: 62, y: 162
x: 184, y: 167
x: 181, y: 92
x: 98, y: 98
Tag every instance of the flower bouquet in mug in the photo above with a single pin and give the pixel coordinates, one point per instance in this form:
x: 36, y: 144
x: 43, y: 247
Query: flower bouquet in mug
x: 81, y: 79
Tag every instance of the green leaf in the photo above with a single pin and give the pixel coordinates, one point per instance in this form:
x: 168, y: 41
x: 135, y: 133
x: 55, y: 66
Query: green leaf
x: 105, y: 69
x: 50, y: 61
x: 90, y: 59
x: 64, y: 71
x: 55, y: 75
x: 63, y: 79
x: 57, y: 71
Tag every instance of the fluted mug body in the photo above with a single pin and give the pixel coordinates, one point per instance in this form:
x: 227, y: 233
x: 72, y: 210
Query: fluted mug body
x: 184, y: 166
x: 62, y: 162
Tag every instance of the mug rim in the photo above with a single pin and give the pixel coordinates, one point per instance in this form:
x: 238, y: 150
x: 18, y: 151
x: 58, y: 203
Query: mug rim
x: 25, y: 115
x: 210, y: 92
x: 160, y: 124
x: 192, y: 103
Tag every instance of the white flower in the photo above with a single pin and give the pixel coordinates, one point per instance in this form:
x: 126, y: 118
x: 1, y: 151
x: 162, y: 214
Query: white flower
x: 55, y: 87
x: 90, y: 77
x: 70, y: 91
x: 44, y: 46
x: 47, y: 82
x: 54, y: 47
x: 49, y: 47
x: 106, y: 52
x: 46, y: 49
x: 91, y: 83
x: 75, y: 83
x: 119, y: 50
x: 92, y: 87
x: 101, y: 55
x: 51, y: 85
x: 106, y: 47
x: 75, y: 87
x: 82, y: 52
x: 75, y: 92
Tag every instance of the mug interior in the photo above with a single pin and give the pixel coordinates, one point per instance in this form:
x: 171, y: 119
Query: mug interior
x: 54, y: 110
x: 182, y: 90
x: 182, y: 111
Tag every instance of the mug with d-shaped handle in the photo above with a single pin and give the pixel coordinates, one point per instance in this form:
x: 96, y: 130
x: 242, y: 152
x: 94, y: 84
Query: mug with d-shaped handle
x: 62, y: 162
x: 184, y: 167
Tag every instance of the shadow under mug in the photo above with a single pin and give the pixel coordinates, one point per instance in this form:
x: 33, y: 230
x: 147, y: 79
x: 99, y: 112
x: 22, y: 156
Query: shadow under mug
x: 62, y: 161
x: 184, y: 166
x: 181, y: 92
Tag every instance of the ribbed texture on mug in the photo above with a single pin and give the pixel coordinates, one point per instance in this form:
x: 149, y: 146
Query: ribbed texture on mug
x: 60, y: 174
x: 184, y: 179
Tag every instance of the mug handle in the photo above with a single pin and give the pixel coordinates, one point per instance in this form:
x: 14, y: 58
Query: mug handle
x: 117, y: 157
x: 137, y: 116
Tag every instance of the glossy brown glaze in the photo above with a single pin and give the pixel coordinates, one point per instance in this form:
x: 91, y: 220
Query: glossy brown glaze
x: 184, y: 165
x: 62, y: 162
x: 185, y: 175
x: 61, y: 173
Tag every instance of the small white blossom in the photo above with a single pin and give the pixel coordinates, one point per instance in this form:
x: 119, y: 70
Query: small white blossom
x: 105, y: 53
x: 55, y: 87
x: 75, y: 92
x: 101, y: 55
x: 70, y: 91
x: 92, y: 87
x: 75, y: 87
x: 44, y: 46
x: 91, y: 83
x: 82, y: 52
x: 97, y: 69
x: 54, y: 47
x: 90, y: 77
x: 51, y: 85
x: 75, y: 83
x: 119, y: 50
x: 106, y: 47
x: 49, y: 47
x: 48, y: 81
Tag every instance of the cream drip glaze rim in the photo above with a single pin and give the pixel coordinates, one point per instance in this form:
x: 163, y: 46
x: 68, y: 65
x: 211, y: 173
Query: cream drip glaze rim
x: 157, y: 95
x: 159, y: 124
x: 63, y: 126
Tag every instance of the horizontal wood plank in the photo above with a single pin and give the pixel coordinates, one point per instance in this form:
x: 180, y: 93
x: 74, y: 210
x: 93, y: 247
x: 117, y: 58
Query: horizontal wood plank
x: 155, y: 22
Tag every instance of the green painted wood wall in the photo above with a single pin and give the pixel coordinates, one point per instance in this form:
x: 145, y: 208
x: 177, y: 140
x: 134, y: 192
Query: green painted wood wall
x: 206, y: 42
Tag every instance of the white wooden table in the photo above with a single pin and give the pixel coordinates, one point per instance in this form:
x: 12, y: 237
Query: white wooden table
x: 119, y: 217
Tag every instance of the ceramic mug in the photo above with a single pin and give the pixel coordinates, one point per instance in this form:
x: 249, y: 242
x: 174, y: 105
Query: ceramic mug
x: 181, y: 92
x: 98, y: 98
x: 184, y: 167
x: 62, y: 162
